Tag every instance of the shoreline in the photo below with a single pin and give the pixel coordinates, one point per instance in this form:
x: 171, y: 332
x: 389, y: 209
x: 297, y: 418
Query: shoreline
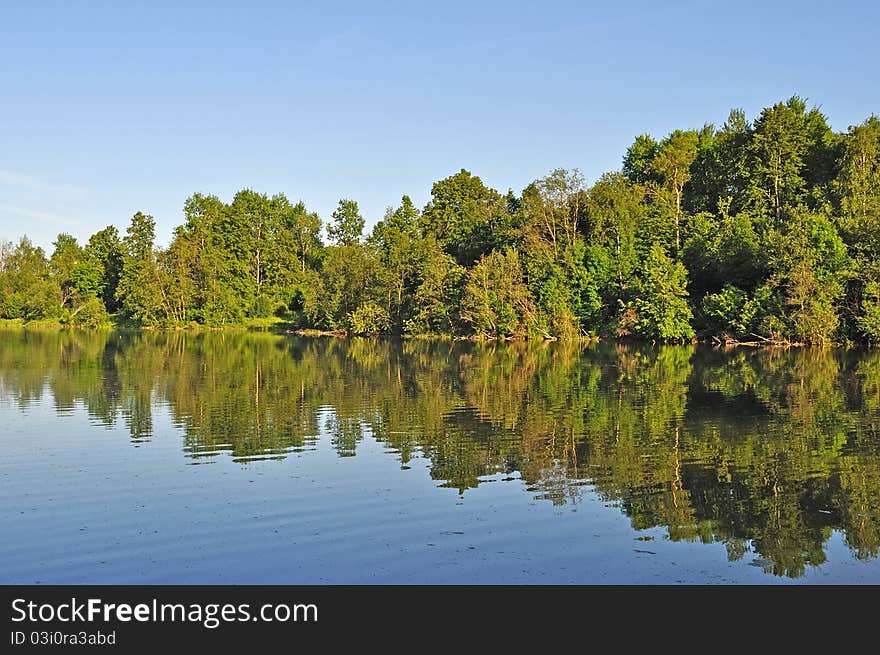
x: 280, y: 327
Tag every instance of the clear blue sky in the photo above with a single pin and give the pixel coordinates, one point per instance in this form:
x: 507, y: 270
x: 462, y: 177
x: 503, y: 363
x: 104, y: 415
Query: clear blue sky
x: 107, y: 108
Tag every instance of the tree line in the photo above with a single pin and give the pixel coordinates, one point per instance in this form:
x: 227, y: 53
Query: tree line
x: 764, y: 230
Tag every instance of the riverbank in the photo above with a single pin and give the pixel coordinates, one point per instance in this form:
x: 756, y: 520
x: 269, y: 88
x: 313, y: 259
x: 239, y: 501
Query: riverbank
x: 281, y: 326
x: 121, y: 323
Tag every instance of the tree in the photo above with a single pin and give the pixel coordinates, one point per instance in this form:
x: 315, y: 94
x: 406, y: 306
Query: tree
x: 869, y: 319
x: 552, y: 219
x: 439, y: 284
x: 141, y: 291
x: 786, y: 136
x: 660, y: 309
x: 859, y: 187
x: 368, y: 318
x: 466, y: 217
x: 724, y: 250
x: 396, y: 239
x: 29, y: 290
x: 249, y: 231
x: 216, y: 262
x: 351, y: 277
x: 496, y: 300
x: 637, y: 161
x: 177, y: 272
x: 809, y: 260
x: 764, y: 230
x: 64, y: 260
x: 304, y: 230
x: 104, y: 253
x: 718, y: 174
x: 615, y: 210
x: 672, y: 164
x: 348, y: 224
x: 553, y: 206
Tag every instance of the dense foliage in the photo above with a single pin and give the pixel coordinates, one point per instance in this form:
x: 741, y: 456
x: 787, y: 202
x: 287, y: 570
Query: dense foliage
x: 758, y: 230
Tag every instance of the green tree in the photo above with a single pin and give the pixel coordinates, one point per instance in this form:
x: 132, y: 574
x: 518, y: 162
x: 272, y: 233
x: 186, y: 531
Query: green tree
x: 660, y: 309
x: 368, y: 318
x: 672, y: 164
x: 725, y: 250
x: 249, y: 234
x: 396, y: 239
x: 302, y: 229
x: 104, y: 253
x: 809, y: 260
x: 66, y: 255
x: 496, y: 300
x: 467, y: 218
x: 615, y: 211
x: 859, y: 187
x: 718, y: 174
x: 439, y: 284
x: 554, y: 206
x: 140, y: 290
x: 208, y: 232
x: 869, y: 319
x: 30, y: 293
x: 177, y: 268
x: 350, y: 279
x: 637, y: 160
x: 786, y: 138
x: 348, y: 224
x: 566, y: 292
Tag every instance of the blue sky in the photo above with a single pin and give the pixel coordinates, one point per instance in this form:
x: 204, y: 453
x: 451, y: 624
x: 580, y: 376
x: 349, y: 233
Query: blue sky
x: 107, y: 108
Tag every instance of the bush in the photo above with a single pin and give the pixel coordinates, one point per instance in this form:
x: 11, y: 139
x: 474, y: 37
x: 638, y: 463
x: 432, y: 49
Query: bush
x: 661, y: 309
x: 91, y: 313
x: 368, y: 318
x: 262, y: 307
x: 869, y: 321
x: 14, y: 306
x: 723, y: 311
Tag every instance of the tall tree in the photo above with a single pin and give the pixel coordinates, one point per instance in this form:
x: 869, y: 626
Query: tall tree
x: 554, y: 205
x: 496, y: 301
x: 637, y: 160
x: 396, y: 239
x: 348, y: 224
x: 304, y: 230
x: 672, y: 164
x: 252, y: 224
x: 786, y: 138
x: 660, y: 309
x: 104, y: 252
x: 141, y: 291
x: 439, y: 283
x: 177, y: 267
x: 809, y: 261
x: 350, y: 280
x: 615, y: 210
x: 66, y: 255
x: 29, y: 290
x: 718, y: 172
x: 859, y: 186
x: 466, y: 217
x: 216, y: 263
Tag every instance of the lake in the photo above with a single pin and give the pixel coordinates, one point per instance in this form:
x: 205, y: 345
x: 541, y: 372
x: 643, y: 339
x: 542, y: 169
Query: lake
x: 255, y: 458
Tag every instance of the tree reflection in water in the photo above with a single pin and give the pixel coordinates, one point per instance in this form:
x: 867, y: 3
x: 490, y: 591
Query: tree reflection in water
x: 762, y: 450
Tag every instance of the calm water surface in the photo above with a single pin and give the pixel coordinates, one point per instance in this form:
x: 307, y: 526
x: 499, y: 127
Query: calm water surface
x: 258, y: 458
